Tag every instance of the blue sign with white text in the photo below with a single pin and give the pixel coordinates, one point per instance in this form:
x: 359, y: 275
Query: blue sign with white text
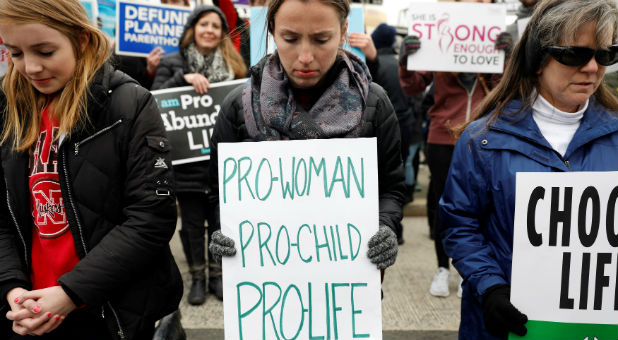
x: 141, y: 27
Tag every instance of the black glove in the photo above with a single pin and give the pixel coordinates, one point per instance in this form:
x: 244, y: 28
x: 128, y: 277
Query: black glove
x: 221, y: 245
x: 504, y: 42
x: 500, y: 316
x: 383, y: 247
x: 409, y: 46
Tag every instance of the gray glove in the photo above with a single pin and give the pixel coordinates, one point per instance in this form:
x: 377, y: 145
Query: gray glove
x: 383, y: 247
x: 221, y: 245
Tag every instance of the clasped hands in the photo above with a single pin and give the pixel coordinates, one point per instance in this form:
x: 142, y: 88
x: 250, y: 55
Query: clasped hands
x: 39, y: 311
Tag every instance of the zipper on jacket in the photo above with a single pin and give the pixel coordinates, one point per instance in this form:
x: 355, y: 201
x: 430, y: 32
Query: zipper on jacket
x: 87, y: 139
x: 79, y: 225
x: 120, y: 331
x: 470, y: 94
x: 21, y: 236
x: 70, y: 194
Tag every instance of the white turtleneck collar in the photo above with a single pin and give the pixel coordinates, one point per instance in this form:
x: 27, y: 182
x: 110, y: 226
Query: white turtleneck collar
x: 558, y: 127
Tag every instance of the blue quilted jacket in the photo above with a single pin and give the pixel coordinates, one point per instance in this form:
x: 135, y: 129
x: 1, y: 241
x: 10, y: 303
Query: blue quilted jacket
x: 478, y: 204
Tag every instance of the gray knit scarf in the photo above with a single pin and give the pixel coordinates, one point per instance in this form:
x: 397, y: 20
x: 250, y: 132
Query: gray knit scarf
x: 271, y: 112
x: 212, y: 66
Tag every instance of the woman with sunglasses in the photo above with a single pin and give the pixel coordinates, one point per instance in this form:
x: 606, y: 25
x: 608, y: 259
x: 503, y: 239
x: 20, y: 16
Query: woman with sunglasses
x: 550, y: 112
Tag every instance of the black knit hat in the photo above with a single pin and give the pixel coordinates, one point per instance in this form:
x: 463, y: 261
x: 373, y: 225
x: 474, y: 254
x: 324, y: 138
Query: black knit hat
x: 197, y: 13
x: 384, y: 36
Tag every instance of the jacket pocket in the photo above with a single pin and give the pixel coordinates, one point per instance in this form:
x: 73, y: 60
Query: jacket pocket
x: 162, y: 175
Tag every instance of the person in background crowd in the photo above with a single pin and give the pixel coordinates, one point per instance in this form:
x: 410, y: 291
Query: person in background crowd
x: 239, y: 29
x: 206, y: 56
x: 144, y: 69
x: 550, y: 113
x: 86, y: 224
x: 524, y: 10
x: 456, y: 95
x: 410, y: 123
x: 381, y: 60
x: 307, y: 71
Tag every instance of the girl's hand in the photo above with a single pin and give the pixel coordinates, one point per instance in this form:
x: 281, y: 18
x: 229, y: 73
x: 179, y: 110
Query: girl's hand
x: 199, y: 82
x: 42, y: 310
x: 364, y: 43
x: 52, y: 299
x: 26, y: 321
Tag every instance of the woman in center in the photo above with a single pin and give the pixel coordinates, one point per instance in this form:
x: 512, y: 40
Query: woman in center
x: 310, y: 88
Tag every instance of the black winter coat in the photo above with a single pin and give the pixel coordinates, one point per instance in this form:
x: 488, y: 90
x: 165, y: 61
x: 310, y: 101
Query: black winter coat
x: 379, y: 121
x: 120, y: 207
x: 171, y: 72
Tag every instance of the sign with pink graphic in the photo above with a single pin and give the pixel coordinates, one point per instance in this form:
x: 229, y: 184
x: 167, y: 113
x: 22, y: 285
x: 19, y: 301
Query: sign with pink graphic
x: 457, y: 36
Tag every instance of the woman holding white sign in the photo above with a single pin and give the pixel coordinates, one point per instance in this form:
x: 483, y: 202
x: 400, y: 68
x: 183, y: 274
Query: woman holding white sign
x: 550, y: 113
x: 87, y: 216
x: 310, y: 88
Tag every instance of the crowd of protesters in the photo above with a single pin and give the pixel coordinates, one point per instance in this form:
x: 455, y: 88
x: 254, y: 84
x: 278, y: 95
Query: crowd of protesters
x: 80, y: 123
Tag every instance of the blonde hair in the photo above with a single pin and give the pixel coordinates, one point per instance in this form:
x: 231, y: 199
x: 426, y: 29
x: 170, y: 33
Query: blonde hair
x: 23, y: 102
x: 230, y: 55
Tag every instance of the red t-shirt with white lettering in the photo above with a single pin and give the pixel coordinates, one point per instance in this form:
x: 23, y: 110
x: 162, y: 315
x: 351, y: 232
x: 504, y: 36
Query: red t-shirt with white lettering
x: 53, y: 250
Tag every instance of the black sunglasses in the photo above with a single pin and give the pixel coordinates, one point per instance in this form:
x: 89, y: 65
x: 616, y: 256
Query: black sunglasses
x: 580, y: 56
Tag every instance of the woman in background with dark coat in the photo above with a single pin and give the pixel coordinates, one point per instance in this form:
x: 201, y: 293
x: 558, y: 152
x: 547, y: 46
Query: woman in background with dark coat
x: 206, y: 56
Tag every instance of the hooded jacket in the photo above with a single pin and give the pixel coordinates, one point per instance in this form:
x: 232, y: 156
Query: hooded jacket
x: 378, y: 119
x: 120, y: 208
x: 478, y: 205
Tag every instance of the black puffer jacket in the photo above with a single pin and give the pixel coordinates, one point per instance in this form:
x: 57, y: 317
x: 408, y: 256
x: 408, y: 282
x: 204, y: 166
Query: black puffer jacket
x: 379, y: 121
x: 119, y: 205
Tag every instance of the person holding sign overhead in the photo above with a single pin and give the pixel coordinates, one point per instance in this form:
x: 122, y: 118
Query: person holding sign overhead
x: 456, y: 95
x: 89, y: 209
x: 206, y: 56
x: 551, y: 112
x: 310, y: 88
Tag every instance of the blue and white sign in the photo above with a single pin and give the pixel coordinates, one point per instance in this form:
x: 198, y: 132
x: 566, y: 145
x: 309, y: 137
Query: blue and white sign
x: 144, y: 26
x: 260, y: 36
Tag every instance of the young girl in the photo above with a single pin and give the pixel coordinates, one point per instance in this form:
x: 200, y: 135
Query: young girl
x: 88, y: 212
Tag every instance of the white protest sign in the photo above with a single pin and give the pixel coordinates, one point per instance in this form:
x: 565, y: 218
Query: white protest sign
x: 457, y: 37
x: 565, y: 254
x: 301, y: 214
